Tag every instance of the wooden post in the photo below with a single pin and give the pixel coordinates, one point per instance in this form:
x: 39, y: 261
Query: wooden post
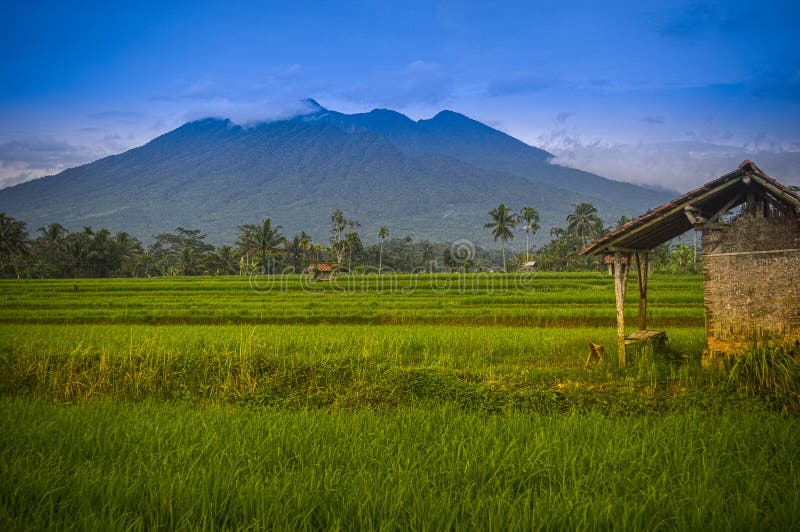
x: 641, y: 269
x: 620, y: 283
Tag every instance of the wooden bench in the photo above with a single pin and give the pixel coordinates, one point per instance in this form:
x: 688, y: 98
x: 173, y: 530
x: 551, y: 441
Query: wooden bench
x: 596, y: 352
x: 658, y: 338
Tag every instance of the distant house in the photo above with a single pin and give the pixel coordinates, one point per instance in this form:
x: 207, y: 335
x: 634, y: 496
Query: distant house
x: 529, y: 266
x: 321, y: 271
x: 750, y: 228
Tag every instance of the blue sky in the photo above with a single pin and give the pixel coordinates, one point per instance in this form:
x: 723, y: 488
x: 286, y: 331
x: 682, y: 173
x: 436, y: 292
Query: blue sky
x: 665, y: 93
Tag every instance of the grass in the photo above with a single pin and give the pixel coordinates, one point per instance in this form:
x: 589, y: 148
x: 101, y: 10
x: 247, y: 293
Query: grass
x: 116, y: 465
x: 430, y: 402
x: 545, y: 300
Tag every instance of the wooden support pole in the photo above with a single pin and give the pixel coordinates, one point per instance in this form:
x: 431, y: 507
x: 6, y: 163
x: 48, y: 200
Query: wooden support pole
x: 641, y: 269
x: 620, y: 283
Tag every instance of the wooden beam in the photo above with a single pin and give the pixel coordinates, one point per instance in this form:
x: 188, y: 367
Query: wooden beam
x: 693, y: 218
x: 615, y: 249
x: 721, y: 212
x: 778, y: 193
x: 674, y: 210
x: 641, y: 270
x: 620, y: 283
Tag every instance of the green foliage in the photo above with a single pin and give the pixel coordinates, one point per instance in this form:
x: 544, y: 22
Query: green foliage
x: 13, y: 238
x: 503, y: 221
x: 262, y: 241
x: 682, y: 260
x: 585, y: 223
x: 768, y: 368
x: 109, y: 465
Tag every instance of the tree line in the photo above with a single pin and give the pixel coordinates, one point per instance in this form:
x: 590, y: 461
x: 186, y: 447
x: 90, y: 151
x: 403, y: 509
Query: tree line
x: 53, y: 251
x: 562, y: 252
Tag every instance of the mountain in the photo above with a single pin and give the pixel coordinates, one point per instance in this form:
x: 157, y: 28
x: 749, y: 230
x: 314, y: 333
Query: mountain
x: 433, y: 179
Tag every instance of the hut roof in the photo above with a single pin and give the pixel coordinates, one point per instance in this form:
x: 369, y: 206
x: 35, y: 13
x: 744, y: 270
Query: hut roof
x: 321, y: 267
x: 670, y: 220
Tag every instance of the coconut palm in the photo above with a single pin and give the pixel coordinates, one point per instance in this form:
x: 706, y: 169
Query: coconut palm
x: 262, y: 240
x: 503, y: 221
x: 622, y: 221
x: 353, y: 244
x: 407, y: 240
x: 583, y: 221
x: 383, y: 234
x: 299, y: 248
x: 13, y: 239
x: 53, y: 235
x: 530, y: 217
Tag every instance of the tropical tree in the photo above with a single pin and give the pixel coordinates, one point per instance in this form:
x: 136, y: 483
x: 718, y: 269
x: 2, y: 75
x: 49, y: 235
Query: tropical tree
x: 584, y: 222
x: 223, y: 261
x: 503, y: 221
x: 130, y: 251
x: 622, y: 221
x: 339, y: 227
x: 299, y: 247
x: 13, y: 240
x: 428, y: 252
x: 530, y: 217
x: 409, y: 241
x: 383, y: 234
x: 682, y: 259
x: 262, y: 240
x: 182, y: 252
x: 353, y: 244
x: 77, y: 247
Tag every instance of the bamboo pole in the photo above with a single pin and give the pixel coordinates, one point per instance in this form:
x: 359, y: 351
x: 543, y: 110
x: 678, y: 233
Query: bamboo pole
x: 620, y: 283
x: 641, y: 270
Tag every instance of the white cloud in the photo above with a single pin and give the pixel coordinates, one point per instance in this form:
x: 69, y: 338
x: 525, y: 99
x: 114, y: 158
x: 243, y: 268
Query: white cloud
x: 678, y: 165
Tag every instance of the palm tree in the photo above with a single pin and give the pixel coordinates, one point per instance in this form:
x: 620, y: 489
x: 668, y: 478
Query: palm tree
x: 13, y: 238
x: 353, y: 243
x: 530, y: 217
x: 622, y: 221
x: 298, y: 248
x: 584, y: 221
x: 224, y: 261
x: 130, y: 249
x: 503, y: 221
x: 383, y: 234
x: 53, y: 234
x: 407, y: 240
x: 262, y: 240
x: 339, y: 226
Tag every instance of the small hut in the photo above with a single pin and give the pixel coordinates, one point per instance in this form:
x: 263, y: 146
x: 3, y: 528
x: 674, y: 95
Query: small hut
x: 751, y: 257
x: 321, y: 271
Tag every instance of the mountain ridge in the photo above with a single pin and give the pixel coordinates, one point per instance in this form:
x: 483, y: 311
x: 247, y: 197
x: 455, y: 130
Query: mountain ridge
x: 433, y: 178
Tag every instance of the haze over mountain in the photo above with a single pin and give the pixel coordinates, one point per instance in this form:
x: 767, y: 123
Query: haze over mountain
x: 432, y: 179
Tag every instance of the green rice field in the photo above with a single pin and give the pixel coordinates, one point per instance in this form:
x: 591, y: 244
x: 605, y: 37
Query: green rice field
x: 375, y: 402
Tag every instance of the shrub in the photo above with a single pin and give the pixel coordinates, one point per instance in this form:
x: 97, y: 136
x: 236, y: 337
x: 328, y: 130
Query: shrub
x: 768, y: 368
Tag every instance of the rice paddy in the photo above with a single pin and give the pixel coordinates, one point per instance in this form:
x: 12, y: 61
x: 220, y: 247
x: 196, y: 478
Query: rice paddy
x: 404, y: 402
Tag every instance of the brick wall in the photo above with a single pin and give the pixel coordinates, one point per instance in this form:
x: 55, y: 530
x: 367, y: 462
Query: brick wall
x: 751, y: 282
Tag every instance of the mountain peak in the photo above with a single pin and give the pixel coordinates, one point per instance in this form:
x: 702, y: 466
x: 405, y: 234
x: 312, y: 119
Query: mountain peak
x: 313, y: 105
x: 379, y: 167
x: 452, y: 117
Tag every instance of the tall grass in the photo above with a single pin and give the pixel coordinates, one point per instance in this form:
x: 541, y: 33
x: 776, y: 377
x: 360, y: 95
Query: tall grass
x: 577, y: 300
x: 202, y: 404
x: 478, y: 368
x: 768, y: 368
x: 121, y: 466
